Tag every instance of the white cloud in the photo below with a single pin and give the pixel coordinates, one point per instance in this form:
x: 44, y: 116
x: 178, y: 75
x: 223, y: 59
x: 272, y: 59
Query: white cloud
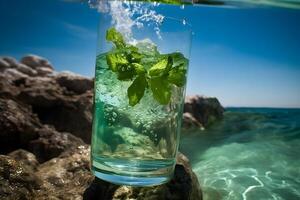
x: 79, y: 31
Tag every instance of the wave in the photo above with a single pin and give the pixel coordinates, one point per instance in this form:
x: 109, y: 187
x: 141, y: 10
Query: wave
x: 251, y: 154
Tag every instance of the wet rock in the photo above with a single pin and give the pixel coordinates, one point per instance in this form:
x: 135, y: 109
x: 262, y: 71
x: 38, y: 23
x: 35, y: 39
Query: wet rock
x: 205, y: 110
x: 35, y: 62
x: 28, y: 159
x: 17, y: 181
x: 73, y: 82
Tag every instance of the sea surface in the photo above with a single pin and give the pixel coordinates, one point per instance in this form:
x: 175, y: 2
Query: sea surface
x: 253, y: 154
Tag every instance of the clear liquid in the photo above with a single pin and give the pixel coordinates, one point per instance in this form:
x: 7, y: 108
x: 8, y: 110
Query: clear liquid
x: 133, y: 145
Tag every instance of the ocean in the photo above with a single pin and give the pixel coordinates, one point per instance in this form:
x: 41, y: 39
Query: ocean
x: 252, y: 154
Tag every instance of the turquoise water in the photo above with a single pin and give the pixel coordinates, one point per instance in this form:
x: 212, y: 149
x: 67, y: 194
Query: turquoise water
x: 252, y: 154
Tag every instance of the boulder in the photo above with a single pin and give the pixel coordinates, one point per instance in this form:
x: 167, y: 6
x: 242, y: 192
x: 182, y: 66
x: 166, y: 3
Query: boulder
x: 35, y: 62
x: 11, y: 61
x: 16, y: 180
x: 205, y: 110
x: 27, y: 158
x: 56, y: 106
x: 3, y: 65
x: 17, y: 125
x: 14, y: 74
x: 67, y: 176
x: 75, y: 83
x: 51, y: 143
x: 26, y: 70
x: 189, y: 121
x: 184, y: 185
x: 44, y: 71
x: 44, y: 116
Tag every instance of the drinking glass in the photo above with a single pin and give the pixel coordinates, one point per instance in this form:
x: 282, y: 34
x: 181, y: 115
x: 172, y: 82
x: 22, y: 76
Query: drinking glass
x: 140, y: 81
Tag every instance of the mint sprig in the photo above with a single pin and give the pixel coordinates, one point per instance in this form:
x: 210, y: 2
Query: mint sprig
x: 129, y: 64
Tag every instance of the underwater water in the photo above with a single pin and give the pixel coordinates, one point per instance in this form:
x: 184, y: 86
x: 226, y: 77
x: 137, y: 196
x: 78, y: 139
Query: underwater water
x: 252, y: 154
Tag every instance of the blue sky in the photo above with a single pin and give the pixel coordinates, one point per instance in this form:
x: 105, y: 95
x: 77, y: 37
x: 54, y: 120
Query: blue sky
x: 245, y: 57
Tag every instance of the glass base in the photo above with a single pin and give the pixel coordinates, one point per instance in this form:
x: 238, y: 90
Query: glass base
x: 133, y: 173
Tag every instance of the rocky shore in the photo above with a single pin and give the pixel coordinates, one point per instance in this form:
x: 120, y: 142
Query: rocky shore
x: 45, y: 131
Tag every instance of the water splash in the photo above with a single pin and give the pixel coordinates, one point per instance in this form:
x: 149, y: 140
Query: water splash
x: 126, y: 15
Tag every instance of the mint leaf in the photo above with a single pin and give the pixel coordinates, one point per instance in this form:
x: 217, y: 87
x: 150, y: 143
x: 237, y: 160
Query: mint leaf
x: 114, y: 60
x: 136, y: 90
x: 162, y: 67
x: 161, y: 89
x: 126, y: 72
x: 179, y: 59
x: 139, y: 69
x: 114, y: 36
x: 177, y: 75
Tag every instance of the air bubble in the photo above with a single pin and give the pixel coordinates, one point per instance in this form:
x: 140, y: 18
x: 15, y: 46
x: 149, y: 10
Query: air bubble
x: 184, y: 22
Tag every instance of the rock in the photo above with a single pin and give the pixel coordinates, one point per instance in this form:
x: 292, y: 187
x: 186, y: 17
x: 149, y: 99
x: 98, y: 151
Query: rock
x: 17, y: 181
x: 205, y: 110
x: 26, y: 70
x: 35, y: 62
x: 28, y: 159
x: 43, y: 115
x: 184, y: 185
x: 52, y: 143
x: 67, y: 176
x: 190, y: 122
x: 54, y: 105
x: 17, y: 125
x: 14, y: 74
x: 11, y: 61
x: 73, y: 82
x: 43, y: 71
x: 3, y: 65
x: 19, y: 128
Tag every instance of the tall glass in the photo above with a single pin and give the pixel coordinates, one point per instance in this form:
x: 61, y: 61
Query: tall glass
x: 140, y: 83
